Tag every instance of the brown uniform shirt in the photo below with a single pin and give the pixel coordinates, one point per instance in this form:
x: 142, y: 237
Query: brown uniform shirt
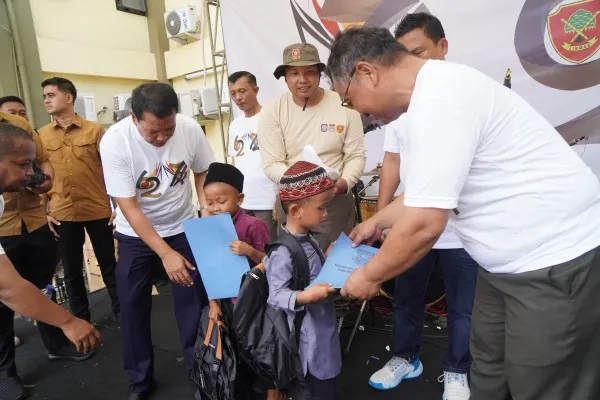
x: 79, y: 193
x: 24, y: 206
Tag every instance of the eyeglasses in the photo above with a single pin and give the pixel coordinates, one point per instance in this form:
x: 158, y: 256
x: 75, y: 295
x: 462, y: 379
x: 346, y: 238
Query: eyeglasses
x: 345, y: 101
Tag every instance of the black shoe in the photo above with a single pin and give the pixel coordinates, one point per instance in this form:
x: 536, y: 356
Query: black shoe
x: 11, y: 388
x: 143, y: 395
x: 69, y: 352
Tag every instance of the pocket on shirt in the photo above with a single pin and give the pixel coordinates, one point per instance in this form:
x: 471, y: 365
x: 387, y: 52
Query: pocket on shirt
x: 53, y: 145
x: 84, y: 147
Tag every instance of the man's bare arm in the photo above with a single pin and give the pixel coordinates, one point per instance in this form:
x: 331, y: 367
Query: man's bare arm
x: 412, y: 235
x: 174, y: 263
x: 24, y: 298
x: 389, y: 179
x: 199, y: 183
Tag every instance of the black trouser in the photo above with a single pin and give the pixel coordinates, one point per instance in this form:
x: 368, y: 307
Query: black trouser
x: 70, y: 247
x: 34, y: 257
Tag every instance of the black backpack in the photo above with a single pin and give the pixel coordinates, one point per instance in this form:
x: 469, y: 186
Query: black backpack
x: 215, y: 361
x: 265, y: 341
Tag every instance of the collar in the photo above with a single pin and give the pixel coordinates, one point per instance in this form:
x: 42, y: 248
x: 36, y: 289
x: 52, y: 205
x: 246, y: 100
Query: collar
x: 77, y: 121
x: 237, y: 215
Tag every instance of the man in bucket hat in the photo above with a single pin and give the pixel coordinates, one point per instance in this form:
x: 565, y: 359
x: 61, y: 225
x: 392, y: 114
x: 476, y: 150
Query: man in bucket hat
x: 311, y: 115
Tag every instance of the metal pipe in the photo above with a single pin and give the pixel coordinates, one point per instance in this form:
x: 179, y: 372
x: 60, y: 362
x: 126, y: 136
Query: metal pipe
x: 196, y: 74
x: 213, y: 46
x: 20, y: 58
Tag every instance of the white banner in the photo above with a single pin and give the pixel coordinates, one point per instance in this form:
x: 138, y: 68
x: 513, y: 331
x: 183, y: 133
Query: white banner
x: 551, y: 47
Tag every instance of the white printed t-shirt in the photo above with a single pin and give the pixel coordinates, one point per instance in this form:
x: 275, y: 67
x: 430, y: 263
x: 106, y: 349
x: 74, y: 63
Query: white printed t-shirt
x: 259, y: 191
x: 526, y: 201
x: 158, y: 176
x: 393, y: 144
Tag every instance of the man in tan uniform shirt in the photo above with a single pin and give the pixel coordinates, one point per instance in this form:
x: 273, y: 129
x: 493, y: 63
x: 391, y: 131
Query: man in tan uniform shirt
x: 310, y: 115
x: 78, y: 201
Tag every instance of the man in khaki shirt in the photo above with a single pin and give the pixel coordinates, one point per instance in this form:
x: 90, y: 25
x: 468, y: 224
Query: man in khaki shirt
x: 78, y: 201
x: 28, y: 243
x: 310, y: 115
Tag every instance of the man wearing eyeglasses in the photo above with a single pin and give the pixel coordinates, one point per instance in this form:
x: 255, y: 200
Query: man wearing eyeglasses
x: 311, y: 115
x: 527, y: 210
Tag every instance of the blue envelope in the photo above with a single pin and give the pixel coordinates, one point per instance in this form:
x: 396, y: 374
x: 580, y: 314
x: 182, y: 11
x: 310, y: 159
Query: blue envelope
x: 342, y: 260
x: 220, y: 269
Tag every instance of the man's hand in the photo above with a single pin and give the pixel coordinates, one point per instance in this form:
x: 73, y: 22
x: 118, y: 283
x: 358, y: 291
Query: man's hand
x: 359, y: 286
x: 341, y: 187
x: 315, y: 293
x: 51, y: 224
x: 177, y: 267
x: 83, y: 335
x: 112, y: 218
x: 365, y: 232
x: 43, y: 187
x: 214, y: 311
x: 240, y: 248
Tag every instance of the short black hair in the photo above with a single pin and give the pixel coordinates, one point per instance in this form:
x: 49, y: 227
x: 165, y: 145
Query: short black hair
x: 362, y: 44
x: 10, y: 99
x: 63, y: 84
x: 156, y: 98
x: 233, y: 78
x: 431, y: 26
x: 9, y: 134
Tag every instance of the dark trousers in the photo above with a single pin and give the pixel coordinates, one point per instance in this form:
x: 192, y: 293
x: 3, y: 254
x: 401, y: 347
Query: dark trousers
x: 536, y: 335
x: 460, y: 275
x: 70, y: 247
x: 134, y: 283
x: 34, y: 257
x: 322, y: 389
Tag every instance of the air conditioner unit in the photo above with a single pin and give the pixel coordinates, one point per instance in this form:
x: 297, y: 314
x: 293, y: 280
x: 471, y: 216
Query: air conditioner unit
x: 122, y: 102
x: 183, y: 23
x: 189, y: 103
x: 85, y: 106
x: 209, y: 101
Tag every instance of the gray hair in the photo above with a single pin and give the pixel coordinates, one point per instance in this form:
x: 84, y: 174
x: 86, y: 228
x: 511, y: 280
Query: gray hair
x: 370, y: 44
x: 9, y: 135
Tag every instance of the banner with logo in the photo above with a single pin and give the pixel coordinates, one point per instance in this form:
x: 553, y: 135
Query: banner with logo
x: 549, y: 50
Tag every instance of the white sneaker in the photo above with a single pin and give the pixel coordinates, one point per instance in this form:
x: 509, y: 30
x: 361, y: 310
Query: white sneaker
x: 394, y: 371
x: 456, y: 386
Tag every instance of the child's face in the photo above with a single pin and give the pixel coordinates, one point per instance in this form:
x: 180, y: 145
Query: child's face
x: 222, y: 198
x: 312, y: 213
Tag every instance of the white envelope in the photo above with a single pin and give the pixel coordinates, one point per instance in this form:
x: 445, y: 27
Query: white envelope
x: 311, y: 156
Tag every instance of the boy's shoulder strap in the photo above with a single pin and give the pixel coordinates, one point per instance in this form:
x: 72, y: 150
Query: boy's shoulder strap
x: 301, y: 274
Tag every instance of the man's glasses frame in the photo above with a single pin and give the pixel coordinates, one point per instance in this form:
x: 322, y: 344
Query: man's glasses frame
x: 345, y: 101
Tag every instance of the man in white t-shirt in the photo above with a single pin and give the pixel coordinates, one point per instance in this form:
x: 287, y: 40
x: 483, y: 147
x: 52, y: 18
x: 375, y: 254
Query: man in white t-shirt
x: 147, y: 159
x: 259, y: 191
x: 17, y: 154
x: 423, y: 35
x: 523, y: 204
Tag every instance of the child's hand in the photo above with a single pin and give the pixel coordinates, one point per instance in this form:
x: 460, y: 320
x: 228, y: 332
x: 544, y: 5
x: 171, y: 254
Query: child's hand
x: 214, y: 311
x: 318, y: 292
x: 240, y: 248
x: 329, y: 249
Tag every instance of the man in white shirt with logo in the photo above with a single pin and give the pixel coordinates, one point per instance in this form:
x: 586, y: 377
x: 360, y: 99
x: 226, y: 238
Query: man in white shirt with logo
x: 147, y: 159
x: 423, y: 35
x: 259, y: 191
x: 523, y: 204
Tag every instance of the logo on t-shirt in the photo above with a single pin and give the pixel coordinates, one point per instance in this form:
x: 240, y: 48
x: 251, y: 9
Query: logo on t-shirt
x: 247, y: 139
x: 150, y: 182
x: 323, y: 127
x: 340, y: 128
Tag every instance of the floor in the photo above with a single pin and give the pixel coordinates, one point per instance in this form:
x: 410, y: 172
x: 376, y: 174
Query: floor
x: 102, y: 377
